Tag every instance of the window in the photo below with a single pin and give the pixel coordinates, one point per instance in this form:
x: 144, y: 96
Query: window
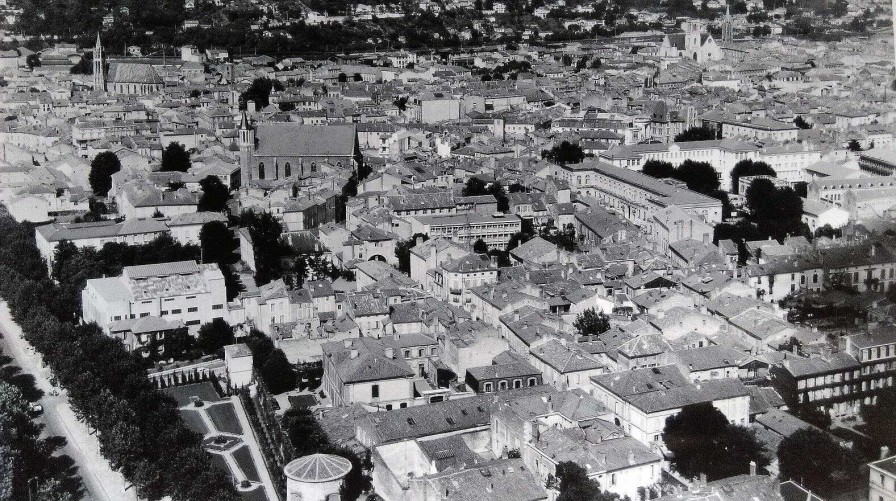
x: 532, y: 381
x: 375, y: 391
x: 420, y: 352
x: 144, y: 315
x: 192, y: 309
x: 217, y: 306
x: 116, y: 317
x: 287, y: 169
x: 403, y: 405
x: 517, y: 383
x: 487, y: 387
x: 163, y: 312
x: 502, y: 385
x: 388, y: 407
x: 612, y: 479
x: 175, y: 311
x: 261, y: 170
x: 407, y: 353
x: 192, y: 322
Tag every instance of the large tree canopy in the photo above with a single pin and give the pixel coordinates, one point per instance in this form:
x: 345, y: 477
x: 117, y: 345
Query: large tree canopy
x: 102, y: 167
x: 702, y: 441
x: 749, y: 168
x: 817, y: 461
x: 214, y: 195
x: 776, y: 212
x: 591, y: 323
x: 175, y: 158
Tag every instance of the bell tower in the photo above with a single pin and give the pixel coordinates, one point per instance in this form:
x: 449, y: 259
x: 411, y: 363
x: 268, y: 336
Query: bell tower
x: 99, y: 77
x: 727, y: 27
x: 247, y: 147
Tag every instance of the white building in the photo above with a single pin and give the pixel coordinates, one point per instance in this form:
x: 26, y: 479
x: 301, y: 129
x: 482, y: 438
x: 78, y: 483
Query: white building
x: 186, y: 291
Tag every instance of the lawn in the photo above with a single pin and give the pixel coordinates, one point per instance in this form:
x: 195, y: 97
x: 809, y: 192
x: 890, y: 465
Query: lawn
x: 219, y: 461
x: 194, y: 421
x: 224, y: 418
x: 205, y: 391
x: 256, y: 494
x: 244, y: 458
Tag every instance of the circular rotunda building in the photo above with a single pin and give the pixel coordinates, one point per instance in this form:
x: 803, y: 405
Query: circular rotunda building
x: 314, y: 477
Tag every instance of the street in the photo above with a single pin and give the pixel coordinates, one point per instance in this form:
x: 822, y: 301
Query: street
x: 100, y: 481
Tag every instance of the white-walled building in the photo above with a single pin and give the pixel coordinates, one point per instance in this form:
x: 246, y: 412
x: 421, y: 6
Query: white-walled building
x: 184, y: 290
x: 642, y: 399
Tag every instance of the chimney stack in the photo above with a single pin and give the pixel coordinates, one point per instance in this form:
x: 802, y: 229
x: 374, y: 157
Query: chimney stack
x: 390, y: 353
x: 353, y: 354
x: 884, y: 452
x: 752, y: 468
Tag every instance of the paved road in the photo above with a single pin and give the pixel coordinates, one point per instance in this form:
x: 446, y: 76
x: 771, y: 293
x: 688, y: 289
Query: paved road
x: 100, y: 481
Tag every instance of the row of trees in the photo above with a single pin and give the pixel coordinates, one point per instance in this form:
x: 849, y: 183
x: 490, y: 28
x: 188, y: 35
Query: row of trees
x: 175, y: 158
x: 698, y: 176
x: 477, y: 187
x: 27, y: 461
x: 139, y: 428
x: 703, y: 442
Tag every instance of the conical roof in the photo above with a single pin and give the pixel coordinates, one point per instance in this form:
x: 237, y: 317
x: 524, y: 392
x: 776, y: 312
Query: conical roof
x: 317, y: 468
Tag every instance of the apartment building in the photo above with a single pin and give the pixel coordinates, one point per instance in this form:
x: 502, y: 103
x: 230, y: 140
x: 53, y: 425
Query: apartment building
x: 184, y: 290
x: 636, y: 196
x: 882, y: 480
x: 453, y: 280
x: 364, y: 370
x: 642, y: 399
x: 493, y: 229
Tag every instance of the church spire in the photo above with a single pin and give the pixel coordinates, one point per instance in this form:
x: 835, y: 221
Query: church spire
x: 99, y: 77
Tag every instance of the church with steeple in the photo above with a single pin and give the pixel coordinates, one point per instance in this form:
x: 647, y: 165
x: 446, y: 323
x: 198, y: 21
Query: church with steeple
x: 694, y: 43
x: 124, y: 77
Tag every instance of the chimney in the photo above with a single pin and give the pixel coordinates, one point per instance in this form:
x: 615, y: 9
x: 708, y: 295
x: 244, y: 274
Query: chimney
x: 432, y: 254
x: 884, y: 452
x: 347, y: 343
x: 353, y: 354
x: 631, y: 457
x: 390, y: 353
x: 702, y: 479
x: 752, y: 468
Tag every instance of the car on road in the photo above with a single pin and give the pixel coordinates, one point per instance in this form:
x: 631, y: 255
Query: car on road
x: 35, y: 408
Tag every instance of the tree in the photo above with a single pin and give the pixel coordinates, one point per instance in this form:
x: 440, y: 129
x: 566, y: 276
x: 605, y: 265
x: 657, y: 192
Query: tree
x: 474, y: 187
x: 265, y: 232
x: 342, y: 78
x: 33, y: 61
x: 403, y: 251
x: 278, y: 374
x: 812, y: 457
x: 591, y: 323
x: 702, y: 441
x: 699, y: 176
x: 576, y: 486
x: 215, y: 335
x: 854, y: 145
x: 564, y: 153
x: 102, y: 167
x: 776, y: 212
x: 217, y: 243
x: 214, y: 195
x: 480, y: 247
x: 801, y: 122
x: 696, y: 134
x: 878, y: 417
x: 749, y: 168
x: 658, y: 169
x: 175, y: 158
x: 260, y: 92
x: 496, y: 190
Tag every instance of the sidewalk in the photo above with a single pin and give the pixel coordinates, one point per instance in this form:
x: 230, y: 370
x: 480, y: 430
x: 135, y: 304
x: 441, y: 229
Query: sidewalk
x: 100, y: 481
